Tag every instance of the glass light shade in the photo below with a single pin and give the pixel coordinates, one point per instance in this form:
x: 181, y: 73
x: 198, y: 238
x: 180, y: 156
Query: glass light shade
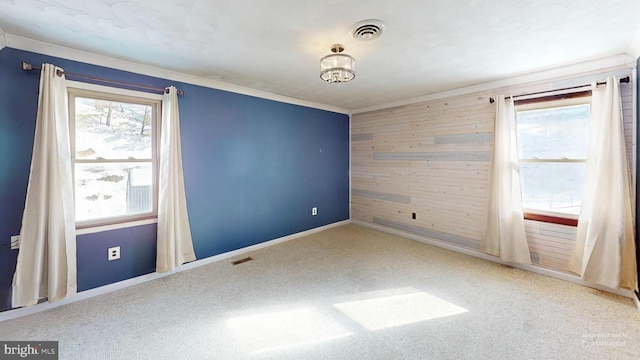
x: 337, y: 68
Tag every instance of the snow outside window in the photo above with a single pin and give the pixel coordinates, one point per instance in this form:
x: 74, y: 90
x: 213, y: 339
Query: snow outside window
x: 114, y: 156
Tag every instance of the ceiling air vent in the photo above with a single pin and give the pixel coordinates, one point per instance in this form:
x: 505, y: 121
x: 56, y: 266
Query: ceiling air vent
x: 368, y: 30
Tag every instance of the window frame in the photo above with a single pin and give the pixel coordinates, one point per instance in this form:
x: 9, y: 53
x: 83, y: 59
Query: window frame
x: 80, y: 89
x: 549, y: 102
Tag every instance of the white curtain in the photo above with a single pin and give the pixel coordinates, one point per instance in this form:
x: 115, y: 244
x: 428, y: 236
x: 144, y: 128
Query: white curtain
x: 605, y: 249
x: 175, y: 246
x: 505, y: 236
x: 47, y: 257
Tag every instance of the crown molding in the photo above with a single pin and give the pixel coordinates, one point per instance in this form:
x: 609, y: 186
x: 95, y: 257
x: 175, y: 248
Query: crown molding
x: 27, y: 44
x: 612, y: 62
x: 22, y: 43
x: 634, y: 45
x: 3, y: 41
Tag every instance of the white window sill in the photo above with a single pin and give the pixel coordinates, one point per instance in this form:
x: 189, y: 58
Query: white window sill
x: 122, y: 225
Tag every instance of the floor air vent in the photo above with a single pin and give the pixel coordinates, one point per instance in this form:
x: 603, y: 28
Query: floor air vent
x: 238, y: 262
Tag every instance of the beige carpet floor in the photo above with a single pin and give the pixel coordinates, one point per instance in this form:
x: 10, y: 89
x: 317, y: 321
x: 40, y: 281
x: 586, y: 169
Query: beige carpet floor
x: 344, y: 293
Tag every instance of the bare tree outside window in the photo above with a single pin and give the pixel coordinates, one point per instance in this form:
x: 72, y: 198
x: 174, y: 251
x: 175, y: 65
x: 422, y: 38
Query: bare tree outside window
x: 114, y: 148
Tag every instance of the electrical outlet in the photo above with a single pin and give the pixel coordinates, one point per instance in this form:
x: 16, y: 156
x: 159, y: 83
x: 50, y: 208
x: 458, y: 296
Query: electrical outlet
x: 114, y: 253
x: 15, y: 242
x: 314, y: 211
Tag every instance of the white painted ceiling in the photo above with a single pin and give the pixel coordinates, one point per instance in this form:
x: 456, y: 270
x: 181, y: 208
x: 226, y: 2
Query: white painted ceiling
x: 276, y: 45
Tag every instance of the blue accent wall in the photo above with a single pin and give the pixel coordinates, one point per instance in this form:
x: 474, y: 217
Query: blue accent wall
x: 254, y: 168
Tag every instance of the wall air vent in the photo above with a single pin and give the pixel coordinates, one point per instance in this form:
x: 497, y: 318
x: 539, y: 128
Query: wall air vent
x: 366, y: 30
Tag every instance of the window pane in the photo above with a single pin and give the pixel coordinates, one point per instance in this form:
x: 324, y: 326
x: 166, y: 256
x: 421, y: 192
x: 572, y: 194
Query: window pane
x: 112, y: 130
x: 555, y: 187
x: 553, y: 133
x: 112, y: 189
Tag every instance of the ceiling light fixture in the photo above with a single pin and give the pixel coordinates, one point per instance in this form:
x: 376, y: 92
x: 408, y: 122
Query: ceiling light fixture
x: 337, y: 67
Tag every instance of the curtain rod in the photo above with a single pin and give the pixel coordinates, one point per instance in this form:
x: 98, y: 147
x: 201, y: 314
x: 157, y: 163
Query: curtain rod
x: 27, y: 67
x: 622, y: 80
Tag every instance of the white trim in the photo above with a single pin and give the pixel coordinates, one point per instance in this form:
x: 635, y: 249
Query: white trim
x: 636, y: 301
x: 122, y: 225
x: 350, y: 166
x: 3, y: 40
x: 547, y: 272
x: 621, y: 60
x: 16, y: 313
x: 634, y: 45
x: 256, y: 247
x: 26, y: 44
x: 634, y: 141
x: 113, y: 90
x: 558, y: 103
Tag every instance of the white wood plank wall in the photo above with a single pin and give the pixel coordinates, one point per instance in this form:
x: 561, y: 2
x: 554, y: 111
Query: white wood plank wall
x: 432, y: 159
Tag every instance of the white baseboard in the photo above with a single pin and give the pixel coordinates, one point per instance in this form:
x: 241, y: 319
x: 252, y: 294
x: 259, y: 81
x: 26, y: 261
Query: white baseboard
x: 230, y: 254
x: 536, y: 269
x: 16, y: 313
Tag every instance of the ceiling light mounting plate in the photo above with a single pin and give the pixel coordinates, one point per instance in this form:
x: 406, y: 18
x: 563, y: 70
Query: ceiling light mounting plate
x: 337, y: 48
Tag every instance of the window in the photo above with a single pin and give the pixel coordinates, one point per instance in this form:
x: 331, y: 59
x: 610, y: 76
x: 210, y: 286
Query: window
x: 114, y: 155
x: 552, y: 150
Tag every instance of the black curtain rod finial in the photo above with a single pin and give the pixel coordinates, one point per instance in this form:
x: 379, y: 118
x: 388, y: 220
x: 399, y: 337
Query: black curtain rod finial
x: 179, y: 92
